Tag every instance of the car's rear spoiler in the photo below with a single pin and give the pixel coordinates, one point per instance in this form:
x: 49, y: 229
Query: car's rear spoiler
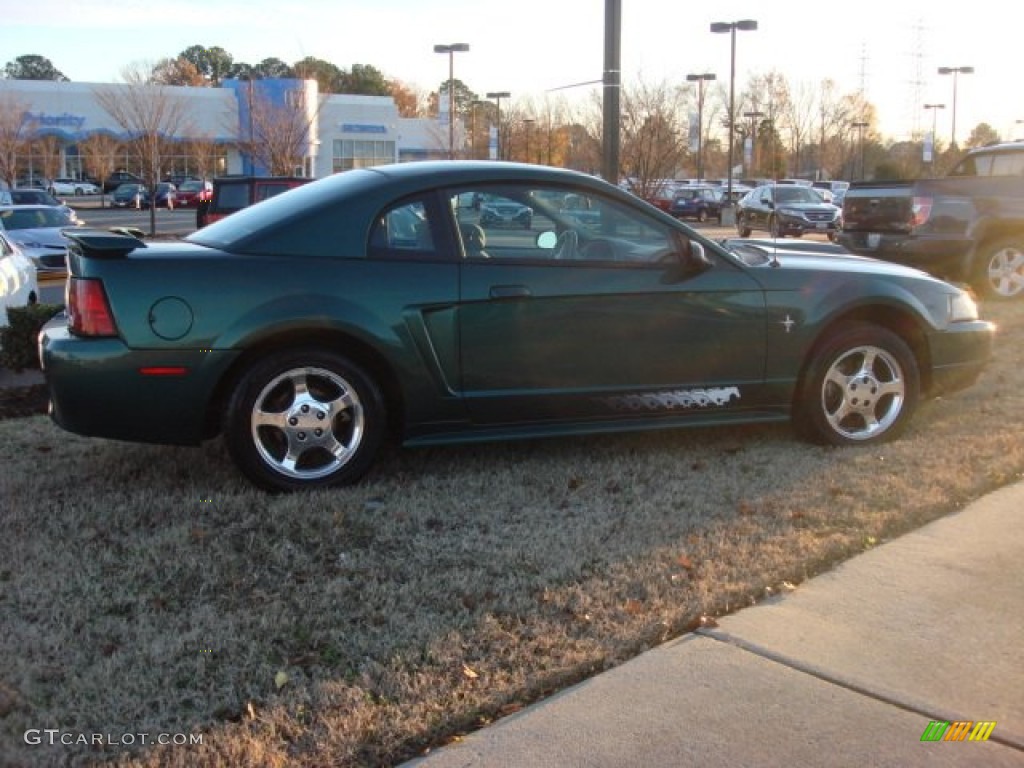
x: 113, y: 243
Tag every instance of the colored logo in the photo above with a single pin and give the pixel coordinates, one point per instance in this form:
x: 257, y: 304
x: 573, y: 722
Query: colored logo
x: 958, y: 730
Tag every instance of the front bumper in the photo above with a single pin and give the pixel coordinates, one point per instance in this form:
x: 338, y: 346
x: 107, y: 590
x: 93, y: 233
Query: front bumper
x: 795, y: 225
x: 959, y: 354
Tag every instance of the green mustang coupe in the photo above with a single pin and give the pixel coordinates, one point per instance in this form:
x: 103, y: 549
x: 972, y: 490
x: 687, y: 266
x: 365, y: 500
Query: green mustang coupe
x: 310, y: 327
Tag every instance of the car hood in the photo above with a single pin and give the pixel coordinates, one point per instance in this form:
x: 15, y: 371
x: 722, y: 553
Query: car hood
x: 811, y: 257
x: 823, y: 207
x: 43, y: 236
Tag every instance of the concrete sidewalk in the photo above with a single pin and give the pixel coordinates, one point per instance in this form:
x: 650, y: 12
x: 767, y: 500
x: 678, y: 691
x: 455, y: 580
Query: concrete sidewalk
x: 848, y: 670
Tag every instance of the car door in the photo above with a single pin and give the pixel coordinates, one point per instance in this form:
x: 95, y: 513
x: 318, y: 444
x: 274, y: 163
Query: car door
x: 616, y: 327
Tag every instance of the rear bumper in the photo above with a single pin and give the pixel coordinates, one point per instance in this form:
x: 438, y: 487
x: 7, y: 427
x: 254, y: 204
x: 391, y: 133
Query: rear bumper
x: 946, y: 256
x: 96, y: 388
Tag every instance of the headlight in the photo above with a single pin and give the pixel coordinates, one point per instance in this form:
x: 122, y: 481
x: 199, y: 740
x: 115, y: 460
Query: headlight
x: 962, y: 307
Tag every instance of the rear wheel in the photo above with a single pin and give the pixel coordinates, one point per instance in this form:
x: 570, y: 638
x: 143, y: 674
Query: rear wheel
x: 1000, y: 269
x: 304, y: 419
x: 861, y: 387
x: 702, y: 215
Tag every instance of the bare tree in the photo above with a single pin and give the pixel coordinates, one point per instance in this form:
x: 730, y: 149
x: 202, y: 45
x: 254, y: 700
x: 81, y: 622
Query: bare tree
x: 653, y: 138
x: 99, y: 155
x: 150, y: 116
x: 281, y: 134
x: 47, y: 149
x: 204, y: 153
x: 14, y: 135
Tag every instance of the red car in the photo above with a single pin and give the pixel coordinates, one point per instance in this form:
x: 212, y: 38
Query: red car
x: 191, y: 193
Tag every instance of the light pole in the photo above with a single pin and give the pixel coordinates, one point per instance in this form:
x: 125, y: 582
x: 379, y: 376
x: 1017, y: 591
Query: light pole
x: 700, y: 80
x: 860, y: 126
x: 753, y: 136
x: 498, y: 96
x: 954, y: 71
x: 451, y: 50
x: 718, y: 27
x: 935, y: 113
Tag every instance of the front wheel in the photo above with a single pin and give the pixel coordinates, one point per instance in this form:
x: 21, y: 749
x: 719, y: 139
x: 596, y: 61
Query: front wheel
x: 1000, y: 270
x: 861, y: 387
x: 304, y: 419
x: 742, y: 228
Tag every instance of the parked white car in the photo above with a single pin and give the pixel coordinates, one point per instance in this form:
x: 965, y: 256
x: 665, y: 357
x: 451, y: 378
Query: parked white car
x: 73, y: 187
x: 18, y: 285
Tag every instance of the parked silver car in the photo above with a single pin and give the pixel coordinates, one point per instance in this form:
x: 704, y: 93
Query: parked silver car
x: 38, y: 232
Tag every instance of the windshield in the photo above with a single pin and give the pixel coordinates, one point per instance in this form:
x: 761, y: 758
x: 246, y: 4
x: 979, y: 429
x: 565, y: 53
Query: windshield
x: 33, y: 218
x: 795, y: 194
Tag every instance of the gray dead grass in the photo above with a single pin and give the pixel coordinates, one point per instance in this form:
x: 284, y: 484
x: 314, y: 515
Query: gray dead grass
x: 150, y: 590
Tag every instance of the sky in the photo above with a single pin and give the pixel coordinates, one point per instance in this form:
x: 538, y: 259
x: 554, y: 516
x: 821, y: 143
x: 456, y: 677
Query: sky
x: 890, y: 49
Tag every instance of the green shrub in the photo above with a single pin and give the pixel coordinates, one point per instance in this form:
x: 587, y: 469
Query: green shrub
x: 18, y: 349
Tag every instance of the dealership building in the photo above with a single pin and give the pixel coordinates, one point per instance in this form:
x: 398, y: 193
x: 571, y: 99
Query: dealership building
x: 345, y: 130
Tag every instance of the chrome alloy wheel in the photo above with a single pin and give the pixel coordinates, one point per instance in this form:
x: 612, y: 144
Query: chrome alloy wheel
x: 307, y: 422
x: 863, y: 393
x: 1006, y: 272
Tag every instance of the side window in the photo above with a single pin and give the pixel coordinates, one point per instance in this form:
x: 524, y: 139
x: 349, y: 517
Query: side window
x: 403, y: 230
x: 1008, y: 164
x: 497, y: 222
x: 557, y: 225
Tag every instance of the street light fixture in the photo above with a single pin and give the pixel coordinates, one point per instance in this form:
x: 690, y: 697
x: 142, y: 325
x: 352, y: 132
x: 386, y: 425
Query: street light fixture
x: 451, y: 50
x: 700, y: 80
x: 498, y: 96
x: 719, y: 27
x: 954, y: 71
x: 753, y: 115
x: 860, y: 126
x: 935, y: 113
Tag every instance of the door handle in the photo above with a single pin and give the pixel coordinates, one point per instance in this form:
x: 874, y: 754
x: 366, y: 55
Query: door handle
x: 509, y: 292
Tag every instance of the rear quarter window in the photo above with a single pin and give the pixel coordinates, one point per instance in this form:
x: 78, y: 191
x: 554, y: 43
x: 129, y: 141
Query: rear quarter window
x: 231, y: 197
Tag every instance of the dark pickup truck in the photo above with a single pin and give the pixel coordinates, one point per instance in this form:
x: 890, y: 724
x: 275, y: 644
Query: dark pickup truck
x: 968, y: 226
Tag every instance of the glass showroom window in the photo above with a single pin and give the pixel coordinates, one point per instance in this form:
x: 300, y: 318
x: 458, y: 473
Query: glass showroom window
x: 349, y: 153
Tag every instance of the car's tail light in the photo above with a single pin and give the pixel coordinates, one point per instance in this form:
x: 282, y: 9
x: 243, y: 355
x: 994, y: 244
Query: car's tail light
x: 88, y: 309
x: 920, y: 210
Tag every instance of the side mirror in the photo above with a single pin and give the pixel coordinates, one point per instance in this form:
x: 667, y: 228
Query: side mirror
x: 699, y: 257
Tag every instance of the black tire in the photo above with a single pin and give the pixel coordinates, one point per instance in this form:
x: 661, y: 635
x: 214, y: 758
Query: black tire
x: 742, y: 228
x: 774, y: 229
x: 702, y: 215
x: 999, y: 270
x: 304, y: 419
x: 862, y: 386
